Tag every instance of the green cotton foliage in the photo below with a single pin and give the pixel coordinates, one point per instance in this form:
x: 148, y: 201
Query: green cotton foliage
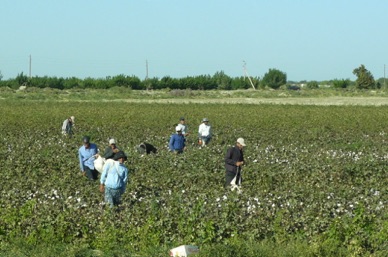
x: 313, y: 174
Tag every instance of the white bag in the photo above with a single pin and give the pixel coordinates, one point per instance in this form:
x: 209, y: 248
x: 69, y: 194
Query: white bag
x: 184, y: 251
x: 236, y: 184
x: 99, y: 164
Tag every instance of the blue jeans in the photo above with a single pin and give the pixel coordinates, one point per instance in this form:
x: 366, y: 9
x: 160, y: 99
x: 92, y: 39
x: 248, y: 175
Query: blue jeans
x: 113, y: 196
x: 205, y: 140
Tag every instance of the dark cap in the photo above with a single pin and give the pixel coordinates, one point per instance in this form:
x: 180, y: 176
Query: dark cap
x: 182, y: 118
x: 119, y: 154
x: 86, y: 139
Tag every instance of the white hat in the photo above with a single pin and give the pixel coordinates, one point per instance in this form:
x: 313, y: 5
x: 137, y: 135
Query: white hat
x: 241, y: 141
x: 205, y: 119
x: 178, y: 128
x: 72, y: 118
x: 112, y: 141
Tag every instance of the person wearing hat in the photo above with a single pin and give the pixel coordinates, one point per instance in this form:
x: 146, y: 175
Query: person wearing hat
x: 114, y: 179
x: 183, y: 126
x: 87, y: 153
x: 67, y: 126
x: 177, y: 141
x: 204, y: 132
x: 111, y: 150
x: 234, y: 159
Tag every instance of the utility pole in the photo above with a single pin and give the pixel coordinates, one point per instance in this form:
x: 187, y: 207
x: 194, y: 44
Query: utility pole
x: 146, y: 70
x: 246, y: 74
x: 385, y: 85
x: 30, y: 68
x: 146, y: 78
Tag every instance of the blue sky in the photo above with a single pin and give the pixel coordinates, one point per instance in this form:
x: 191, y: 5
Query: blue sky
x: 307, y: 39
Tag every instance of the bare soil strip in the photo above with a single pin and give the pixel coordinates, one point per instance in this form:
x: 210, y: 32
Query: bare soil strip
x: 362, y: 101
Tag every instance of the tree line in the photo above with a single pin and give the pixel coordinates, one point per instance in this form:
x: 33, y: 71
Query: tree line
x: 274, y: 79
x: 204, y: 82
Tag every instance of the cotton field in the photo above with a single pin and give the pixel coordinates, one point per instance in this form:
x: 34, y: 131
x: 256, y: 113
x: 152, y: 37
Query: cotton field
x: 311, y: 172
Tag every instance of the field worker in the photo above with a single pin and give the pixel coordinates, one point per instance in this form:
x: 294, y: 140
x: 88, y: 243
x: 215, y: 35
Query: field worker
x: 111, y: 150
x: 67, y: 126
x: 204, y: 132
x: 114, y: 179
x: 183, y: 126
x: 234, y: 159
x: 87, y: 154
x: 146, y: 148
x: 177, y: 141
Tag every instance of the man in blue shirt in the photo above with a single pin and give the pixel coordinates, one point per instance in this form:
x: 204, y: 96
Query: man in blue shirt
x: 177, y: 141
x: 87, y: 154
x: 114, y: 179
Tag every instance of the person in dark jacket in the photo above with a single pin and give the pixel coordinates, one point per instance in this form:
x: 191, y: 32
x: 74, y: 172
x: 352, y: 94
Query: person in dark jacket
x: 234, y: 159
x: 177, y: 141
x: 111, y: 150
x: 146, y: 148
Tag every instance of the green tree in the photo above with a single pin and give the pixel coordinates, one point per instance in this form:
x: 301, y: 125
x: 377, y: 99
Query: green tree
x: 274, y: 79
x: 1, y: 76
x: 341, y: 83
x: 223, y: 81
x: 21, y: 79
x: 365, y: 78
x: 150, y: 83
x: 312, y: 85
x: 168, y: 82
x: 72, y: 82
x: 383, y: 82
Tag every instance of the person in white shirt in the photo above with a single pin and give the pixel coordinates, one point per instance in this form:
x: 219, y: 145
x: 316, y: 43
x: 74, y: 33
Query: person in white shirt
x: 67, y: 126
x: 182, y: 125
x: 204, y: 132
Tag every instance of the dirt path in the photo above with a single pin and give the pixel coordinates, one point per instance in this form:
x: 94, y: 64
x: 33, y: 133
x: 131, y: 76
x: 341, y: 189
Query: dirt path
x: 362, y: 101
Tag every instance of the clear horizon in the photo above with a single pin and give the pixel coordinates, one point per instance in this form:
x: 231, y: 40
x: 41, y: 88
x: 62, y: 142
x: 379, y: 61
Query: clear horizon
x: 308, y: 40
